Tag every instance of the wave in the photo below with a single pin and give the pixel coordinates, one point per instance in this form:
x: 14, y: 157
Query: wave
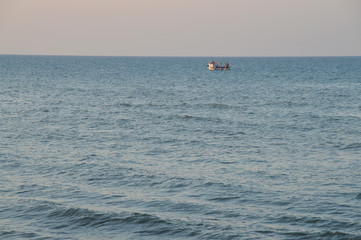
x: 180, y: 105
x: 195, y: 118
x: 60, y: 216
x: 71, y: 220
x: 219, y: 105
x: 18, y: 234
x: 320, y: 235
x: 76, y: 216
x: 352, y: 146
x: 358, y: 196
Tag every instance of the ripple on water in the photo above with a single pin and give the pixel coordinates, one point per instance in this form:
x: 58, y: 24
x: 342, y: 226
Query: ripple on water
x: 111, y: 147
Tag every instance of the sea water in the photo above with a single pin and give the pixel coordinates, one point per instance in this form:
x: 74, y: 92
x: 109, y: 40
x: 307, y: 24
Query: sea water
x: 162, y: 148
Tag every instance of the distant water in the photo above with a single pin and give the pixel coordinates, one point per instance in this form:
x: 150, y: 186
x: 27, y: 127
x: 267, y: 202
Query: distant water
x: 162, y: 148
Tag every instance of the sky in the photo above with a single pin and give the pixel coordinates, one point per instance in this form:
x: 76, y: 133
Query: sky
x: 181, y: 27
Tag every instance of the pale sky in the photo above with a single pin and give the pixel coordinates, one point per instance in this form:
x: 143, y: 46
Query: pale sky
x: 181, y: 27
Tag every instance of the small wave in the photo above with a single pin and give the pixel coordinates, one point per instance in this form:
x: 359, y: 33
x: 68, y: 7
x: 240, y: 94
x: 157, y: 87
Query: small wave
x: 316, y: 221
x: 352, y: 146
x: 60, y: 216
x: 335, y: 235
x: 186, y: 117
x: 81, y: 217
x: 322, y: 235
x: 208, y: 105
x: 124, y: 105
x: 8, y: 233
x: 224, y: 198
x: 358, y: 196
x: 217, y: 105
x: 196, y: 118
x: 17, y: 235
x: 135, y: 222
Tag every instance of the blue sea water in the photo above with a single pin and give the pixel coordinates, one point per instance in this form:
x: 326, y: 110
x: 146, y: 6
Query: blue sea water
x: 162, y: 148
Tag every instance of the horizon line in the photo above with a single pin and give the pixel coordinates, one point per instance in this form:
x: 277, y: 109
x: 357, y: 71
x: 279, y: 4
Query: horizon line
x: 165, y: 56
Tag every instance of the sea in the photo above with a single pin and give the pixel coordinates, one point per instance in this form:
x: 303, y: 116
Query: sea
x: 162, y: 148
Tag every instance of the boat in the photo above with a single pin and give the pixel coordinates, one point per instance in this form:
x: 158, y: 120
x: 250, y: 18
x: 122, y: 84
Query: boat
x: 213, y: 65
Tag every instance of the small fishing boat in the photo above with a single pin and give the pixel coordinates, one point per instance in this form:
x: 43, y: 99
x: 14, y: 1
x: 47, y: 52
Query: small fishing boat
x: 213, y: 65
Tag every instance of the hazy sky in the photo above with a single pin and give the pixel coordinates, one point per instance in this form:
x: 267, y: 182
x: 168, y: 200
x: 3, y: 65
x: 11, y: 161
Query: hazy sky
x: 181, y: 27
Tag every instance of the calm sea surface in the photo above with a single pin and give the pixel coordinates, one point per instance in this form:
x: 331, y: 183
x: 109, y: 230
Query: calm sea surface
x: 162, y: 148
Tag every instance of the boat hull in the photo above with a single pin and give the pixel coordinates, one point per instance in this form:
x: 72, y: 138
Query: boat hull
x: 212, y: 66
